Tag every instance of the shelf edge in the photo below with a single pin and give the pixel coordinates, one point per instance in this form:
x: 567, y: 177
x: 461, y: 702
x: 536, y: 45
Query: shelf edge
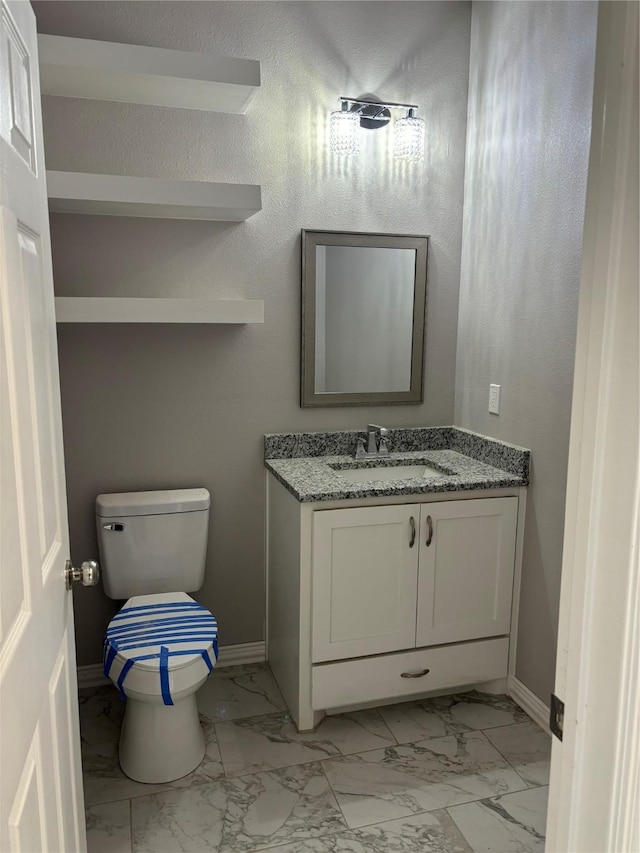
x: 112, y: 71
x: 95, y: 309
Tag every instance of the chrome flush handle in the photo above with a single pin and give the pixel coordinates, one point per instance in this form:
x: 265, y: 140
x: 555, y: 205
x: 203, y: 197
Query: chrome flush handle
x: 88, y: 573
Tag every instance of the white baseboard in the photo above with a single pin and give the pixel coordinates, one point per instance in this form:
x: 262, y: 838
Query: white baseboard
x: 529, y: 702
x: 91, y: 676
x: 242, y: 653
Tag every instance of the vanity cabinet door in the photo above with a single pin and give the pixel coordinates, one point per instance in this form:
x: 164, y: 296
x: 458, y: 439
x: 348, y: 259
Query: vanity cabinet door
x: 465, y: 580
x: 365, y: 574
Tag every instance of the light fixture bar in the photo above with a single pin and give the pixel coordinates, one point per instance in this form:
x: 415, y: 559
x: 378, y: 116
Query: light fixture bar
x: 387, y: 104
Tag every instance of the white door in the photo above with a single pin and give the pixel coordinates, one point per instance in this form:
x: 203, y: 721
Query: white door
x: 465, y: 582
x: 41, y: 797
x: 365, y: 572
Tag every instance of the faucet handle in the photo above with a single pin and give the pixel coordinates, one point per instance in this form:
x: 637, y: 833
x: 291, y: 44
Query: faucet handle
x: 377, y: 428
x: 372, y: 443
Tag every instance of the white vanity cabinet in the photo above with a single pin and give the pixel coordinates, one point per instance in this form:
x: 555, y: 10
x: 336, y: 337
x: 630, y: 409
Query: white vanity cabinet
x: 381, y: 598
x: 396, y: 577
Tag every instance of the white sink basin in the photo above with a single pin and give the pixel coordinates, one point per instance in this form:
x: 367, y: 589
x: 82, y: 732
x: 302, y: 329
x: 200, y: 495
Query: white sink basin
x: 388, y: 472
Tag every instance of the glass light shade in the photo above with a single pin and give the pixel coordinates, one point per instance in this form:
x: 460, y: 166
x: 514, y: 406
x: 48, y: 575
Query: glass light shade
x: 343, y: 132
x: 408, y: 139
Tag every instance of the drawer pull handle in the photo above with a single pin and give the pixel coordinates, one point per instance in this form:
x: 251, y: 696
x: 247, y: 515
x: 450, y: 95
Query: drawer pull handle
x: 430, y: 529
x: 412, y: 523
x: 414, y: 674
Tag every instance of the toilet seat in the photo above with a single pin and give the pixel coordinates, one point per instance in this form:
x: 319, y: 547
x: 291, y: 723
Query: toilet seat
x: 161, y: 644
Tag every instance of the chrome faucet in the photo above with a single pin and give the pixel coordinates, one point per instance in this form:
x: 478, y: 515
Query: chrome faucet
x: 375, y: 448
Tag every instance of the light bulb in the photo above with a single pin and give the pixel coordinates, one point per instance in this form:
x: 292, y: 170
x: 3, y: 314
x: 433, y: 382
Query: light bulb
x: 408, y: 138
x: 343, y: 132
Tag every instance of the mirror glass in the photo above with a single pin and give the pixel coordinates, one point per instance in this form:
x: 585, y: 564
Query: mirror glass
x: 363, y: 312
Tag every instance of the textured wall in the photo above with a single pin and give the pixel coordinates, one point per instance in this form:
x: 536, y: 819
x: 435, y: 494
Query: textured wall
x: 530, y: 92
x: 153, y: 407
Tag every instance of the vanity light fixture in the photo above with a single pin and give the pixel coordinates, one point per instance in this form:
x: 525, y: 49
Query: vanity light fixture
x: 343, y: 131
x: 408, y: 137
x: 408, y: 143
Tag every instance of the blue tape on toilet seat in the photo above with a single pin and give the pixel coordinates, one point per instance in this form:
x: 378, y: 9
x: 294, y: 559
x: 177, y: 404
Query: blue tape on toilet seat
x: 123, y: 674
x: 164, y: 675
x: 171, y: 629
x: 117, y: 630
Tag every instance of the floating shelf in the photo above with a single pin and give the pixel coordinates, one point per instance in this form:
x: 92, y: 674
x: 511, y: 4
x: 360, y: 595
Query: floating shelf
x: 116, y: 195
x: 80, y: 309
x: 108, y: 71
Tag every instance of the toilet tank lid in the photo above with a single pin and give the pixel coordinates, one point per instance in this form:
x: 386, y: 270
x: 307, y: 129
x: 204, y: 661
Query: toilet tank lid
x: 123, y: 504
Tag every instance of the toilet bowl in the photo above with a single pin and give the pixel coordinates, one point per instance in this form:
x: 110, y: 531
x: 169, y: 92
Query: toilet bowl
x: 161, y: 645
x: 159, y: 649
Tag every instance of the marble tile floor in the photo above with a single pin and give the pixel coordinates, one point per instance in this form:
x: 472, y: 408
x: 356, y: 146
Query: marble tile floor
x: 454, y: 774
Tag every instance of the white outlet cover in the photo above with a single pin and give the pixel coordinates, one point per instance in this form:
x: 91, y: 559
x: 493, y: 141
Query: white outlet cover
x: 494, y: 399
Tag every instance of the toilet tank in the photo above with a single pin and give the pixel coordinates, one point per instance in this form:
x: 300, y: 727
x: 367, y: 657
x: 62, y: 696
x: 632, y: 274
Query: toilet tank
x: 152, y: 541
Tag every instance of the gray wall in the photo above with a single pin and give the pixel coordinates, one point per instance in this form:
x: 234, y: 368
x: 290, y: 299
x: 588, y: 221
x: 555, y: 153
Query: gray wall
x: 530, y: 92
x: 147, y: 407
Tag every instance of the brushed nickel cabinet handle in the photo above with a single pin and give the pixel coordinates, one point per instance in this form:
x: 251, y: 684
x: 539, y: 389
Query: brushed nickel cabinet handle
x: 412, y: 523
x: 414, y: 674
x: 430, y: 529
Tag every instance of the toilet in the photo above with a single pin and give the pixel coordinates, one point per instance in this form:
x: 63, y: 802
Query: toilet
x: 161, y: 645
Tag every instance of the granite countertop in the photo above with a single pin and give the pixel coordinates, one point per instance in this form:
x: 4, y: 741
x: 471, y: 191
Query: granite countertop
x: 309, y: 464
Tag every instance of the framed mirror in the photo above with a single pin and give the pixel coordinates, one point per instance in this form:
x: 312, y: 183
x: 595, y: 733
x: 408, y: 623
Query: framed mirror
x: 363, y: 318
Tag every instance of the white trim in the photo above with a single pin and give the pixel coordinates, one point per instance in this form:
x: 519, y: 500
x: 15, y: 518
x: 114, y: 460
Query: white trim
x: 266, y: 564
x: 91, y: 676
x: 242, y: 653
x: 529, y: 702
x: 625, y: 825
x: 593, y: 802
x: 236, y: 655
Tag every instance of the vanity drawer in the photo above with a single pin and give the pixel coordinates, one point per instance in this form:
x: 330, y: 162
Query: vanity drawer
x: 360, y: 680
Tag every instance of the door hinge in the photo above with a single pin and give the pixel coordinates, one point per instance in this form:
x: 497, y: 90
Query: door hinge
x: 556, y: 716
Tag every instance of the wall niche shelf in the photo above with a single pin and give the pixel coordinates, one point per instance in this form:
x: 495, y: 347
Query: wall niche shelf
x: 95, y: 309
x: 109, y: 71
x: 118, y: 195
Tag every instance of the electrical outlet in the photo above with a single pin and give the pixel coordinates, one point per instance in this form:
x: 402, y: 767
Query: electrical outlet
x: 494, y: 399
